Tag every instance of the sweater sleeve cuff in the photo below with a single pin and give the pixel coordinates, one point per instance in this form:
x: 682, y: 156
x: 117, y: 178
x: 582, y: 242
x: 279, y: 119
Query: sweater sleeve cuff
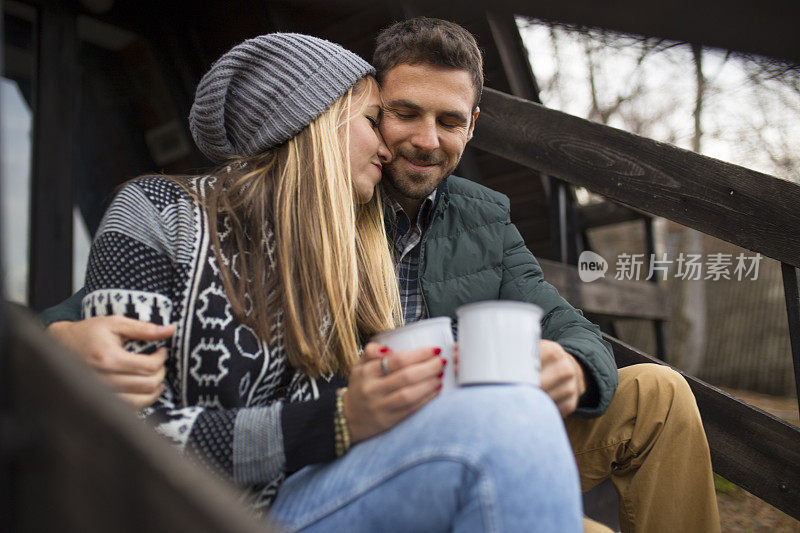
x: 258, y: 454
x: 308, y: 431
x: 589, y: 402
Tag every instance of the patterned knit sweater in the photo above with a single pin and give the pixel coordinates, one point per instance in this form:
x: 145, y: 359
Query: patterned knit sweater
x: 230, y: 400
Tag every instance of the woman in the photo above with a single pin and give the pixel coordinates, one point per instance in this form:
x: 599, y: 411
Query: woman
x: 255, y: 386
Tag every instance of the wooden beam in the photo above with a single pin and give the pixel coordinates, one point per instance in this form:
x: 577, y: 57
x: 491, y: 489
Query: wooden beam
x: 767, y: 28
x: 607, y: 296
x: 89, y: 461
x: 749, y: 447
x: 52, y: 181
x: 606, y: 213
x: 747, y: 208
x: 513, y: 55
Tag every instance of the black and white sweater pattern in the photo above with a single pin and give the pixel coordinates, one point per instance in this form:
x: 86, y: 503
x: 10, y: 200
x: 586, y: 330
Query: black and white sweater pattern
x: 231, y: 400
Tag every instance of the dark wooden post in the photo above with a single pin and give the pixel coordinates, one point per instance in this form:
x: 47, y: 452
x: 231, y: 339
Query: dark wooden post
x: 558, y: 220
x: 52, y: 182
x: 513, y: 55
x: 658, y: 325
x: 522, y: 81
x: 791, y: 288
x: 6, y: 470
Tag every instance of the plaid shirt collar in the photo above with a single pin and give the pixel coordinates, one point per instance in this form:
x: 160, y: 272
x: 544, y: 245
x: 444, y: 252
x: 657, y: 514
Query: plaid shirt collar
x: 424, y: 217
x: 407, y: 241
x: 403, y: 220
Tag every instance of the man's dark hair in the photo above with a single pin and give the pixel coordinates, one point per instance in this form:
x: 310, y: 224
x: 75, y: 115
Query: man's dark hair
x: 427, y: 40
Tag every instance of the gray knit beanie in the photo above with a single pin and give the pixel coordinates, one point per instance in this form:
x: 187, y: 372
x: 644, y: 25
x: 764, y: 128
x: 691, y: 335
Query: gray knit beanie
x: 264, y: 91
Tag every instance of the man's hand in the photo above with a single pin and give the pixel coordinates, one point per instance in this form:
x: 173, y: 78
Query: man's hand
x: 375, y: 402
x: 99, y: 341
x: 562, y: 377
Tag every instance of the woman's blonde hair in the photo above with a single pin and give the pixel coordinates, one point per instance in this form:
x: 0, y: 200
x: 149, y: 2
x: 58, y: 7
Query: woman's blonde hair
x: 330, y: 272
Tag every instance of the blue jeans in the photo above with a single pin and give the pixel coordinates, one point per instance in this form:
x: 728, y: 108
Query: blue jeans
x: 490, y: 458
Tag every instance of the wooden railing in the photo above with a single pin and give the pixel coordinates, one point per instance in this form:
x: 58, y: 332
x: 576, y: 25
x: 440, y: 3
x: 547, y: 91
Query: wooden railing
x: 756, y: 450
x: 747, y: 208
x: 750, y: 209
x: 607, y: 297
x: 77, y: 459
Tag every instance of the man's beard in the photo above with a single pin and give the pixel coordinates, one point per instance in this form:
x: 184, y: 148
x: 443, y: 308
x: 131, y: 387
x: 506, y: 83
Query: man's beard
x: 411, y: 184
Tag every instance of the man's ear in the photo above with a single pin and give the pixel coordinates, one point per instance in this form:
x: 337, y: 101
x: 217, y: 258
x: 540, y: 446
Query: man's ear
x: 472, y: 125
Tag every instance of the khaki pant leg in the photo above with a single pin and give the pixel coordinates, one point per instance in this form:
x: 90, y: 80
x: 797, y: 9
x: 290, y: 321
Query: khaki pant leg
x: 652, y: 444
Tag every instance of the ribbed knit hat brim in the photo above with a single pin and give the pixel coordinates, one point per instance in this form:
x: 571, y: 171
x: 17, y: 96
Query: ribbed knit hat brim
x: 264, y: 91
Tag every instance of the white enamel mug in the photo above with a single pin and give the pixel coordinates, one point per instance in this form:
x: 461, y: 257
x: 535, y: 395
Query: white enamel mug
x: 498, y: 342
x: 435, y: 332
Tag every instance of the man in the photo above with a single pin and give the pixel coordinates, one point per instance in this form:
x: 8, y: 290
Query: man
x: 454, y: 244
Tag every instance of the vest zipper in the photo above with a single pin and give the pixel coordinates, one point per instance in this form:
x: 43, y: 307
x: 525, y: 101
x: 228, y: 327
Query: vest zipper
x: 440, y: 207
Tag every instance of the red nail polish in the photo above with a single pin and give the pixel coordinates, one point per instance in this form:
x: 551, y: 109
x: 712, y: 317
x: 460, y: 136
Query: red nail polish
x: 444, y: 361
x: 384, y: 349
x: 437, y: 351
x: 439, y: 387
x: 441, y: 375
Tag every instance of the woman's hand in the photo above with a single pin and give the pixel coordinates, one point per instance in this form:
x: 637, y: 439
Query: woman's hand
x: 375, y: 402
x: 99, y: 341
